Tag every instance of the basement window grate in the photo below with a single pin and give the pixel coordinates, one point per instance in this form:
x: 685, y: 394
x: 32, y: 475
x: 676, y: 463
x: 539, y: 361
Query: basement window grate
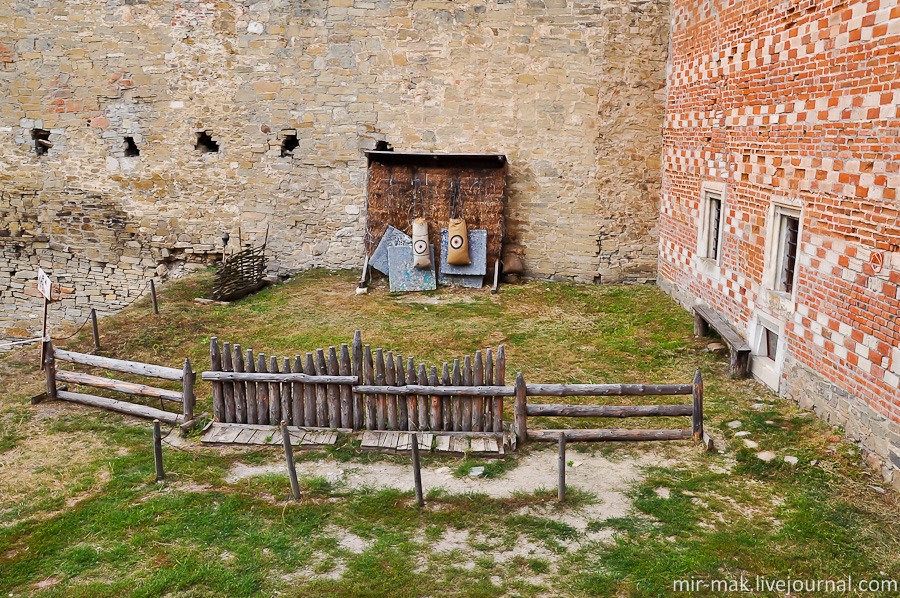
x: 205, y: 143
x: 41, y: 139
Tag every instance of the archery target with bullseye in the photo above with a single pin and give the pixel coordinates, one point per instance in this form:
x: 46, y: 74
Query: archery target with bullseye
x: 456, y: 241
x: 421, y: 247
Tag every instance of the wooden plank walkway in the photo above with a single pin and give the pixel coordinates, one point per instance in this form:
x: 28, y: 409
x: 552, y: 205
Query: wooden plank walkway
x: 482, y: 444
x: 219, y: 433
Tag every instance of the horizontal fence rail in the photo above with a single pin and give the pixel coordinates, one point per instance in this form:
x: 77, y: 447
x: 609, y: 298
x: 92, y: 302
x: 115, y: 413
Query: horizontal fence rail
x: 523, y: 410
x: 186, y: 376
x: 290, y: 377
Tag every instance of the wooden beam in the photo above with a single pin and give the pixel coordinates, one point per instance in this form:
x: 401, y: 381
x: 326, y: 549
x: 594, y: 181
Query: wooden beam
x: 607, y: 434
x: 119, y: 365
x: 269, y: 377
x: 121, y: 407
x: 127, y: 387
x: 553, y: 410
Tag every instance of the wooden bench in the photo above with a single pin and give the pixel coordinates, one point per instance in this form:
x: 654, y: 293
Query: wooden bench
x: 739, y: 351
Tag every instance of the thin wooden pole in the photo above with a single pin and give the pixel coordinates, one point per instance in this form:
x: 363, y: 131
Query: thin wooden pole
x: 499, y: 380
x: 289, y: 459
x: 478, y: 402
x: 697, y: 415
x: 95, y: 329
x: 157, y: 452
x: 215, y: 360
x: 252, y: 407
x: 153, y: 297
x: 44, y: 329
x: 49, y: 364
x: 346, y: 393
x: 187, y: 391
x: 309, y: 394
x: 520, y: 411
x: 562, y: 467
x: 390, y: 379
x: 240, y: 388
x: 359, y: 414
x: 417, y: 471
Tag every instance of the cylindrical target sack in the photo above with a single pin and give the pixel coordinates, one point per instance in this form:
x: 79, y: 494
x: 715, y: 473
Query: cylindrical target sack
x: 421, y: 255
x: 458, y: 243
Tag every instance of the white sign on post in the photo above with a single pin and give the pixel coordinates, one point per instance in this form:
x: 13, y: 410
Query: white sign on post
x: 44, y: 284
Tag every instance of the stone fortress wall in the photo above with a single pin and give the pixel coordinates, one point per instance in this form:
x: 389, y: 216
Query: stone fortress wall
x: 572, y: 92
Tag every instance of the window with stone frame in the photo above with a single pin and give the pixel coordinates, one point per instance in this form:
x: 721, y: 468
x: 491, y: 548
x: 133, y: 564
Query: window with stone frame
x: 712, y: 214
x: 787, y: 244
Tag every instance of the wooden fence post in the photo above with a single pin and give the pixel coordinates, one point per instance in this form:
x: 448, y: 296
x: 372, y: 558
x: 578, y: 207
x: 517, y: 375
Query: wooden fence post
x: 187, y: 391
x: 228, y: 387
x: 49, y: 369
x: 310, y: 414
x: 359, y: 419
x: 240, y: 388
x: 94, y: 329
x: 697, y: 415
x: 417, y: 471
x: 478, y: 402
x: 562, y: 467
x: 402, y: 406
x: 519, y: 408
x: 289, y: 459
x: 435, y: 402
x: 380, y: 399
x: 369, y: 371
x: 346, y: 389
x: 467, y: 401
x: 499, y: 380
x: 153, y: 297
x: 215, y: 364
x: 157, y: 452
x: 299, y: 415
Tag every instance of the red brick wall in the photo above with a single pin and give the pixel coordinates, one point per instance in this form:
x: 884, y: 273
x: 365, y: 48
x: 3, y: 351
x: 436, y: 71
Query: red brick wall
x: 793, y: 102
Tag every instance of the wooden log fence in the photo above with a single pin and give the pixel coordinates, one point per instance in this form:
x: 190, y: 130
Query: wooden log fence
x: 185, y: 375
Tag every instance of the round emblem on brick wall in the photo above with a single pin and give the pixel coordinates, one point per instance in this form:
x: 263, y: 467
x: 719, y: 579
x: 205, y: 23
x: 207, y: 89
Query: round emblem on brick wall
x: 877, y: 262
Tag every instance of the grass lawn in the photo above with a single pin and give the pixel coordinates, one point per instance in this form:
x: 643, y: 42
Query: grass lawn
x: 81, y: 514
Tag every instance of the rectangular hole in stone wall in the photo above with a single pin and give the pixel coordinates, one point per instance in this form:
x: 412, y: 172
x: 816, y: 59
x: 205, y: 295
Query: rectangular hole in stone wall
x: 289, y: 144
x: 205, y: 143
x: 131, y: 149
x: 41, y: 141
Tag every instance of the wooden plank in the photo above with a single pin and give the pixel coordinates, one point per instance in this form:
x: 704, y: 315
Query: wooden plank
x: 119, y: 365
x: 402, y: 411
x: 359, y: 414
x: 245, y: 436
x: 370, y: 439
x: 520, y: 411
x: 388, y: 440
x: 457, y: 405
x: 459, y: 444
x: 404, y: 443
x: 121, y: 407
x: 321, y: 389
x: 390, y: 379
x: 412, y: 402
x: 435, y: 403
x: 277, y: 377
x: 252, y: 405
x: 310, y: 415
x: 298, y: 416
x: 697, y: 407
x: 422, y: 399
x: 603, y: 390
x: 369, y: 373
x: 261, y: 436
x: 262, y: 392
x: 188, y: 377
x: 215, y: 360
x: 554, y: 410
x: 425, y: 440
x: 442, y: 444
x: 443, y: 391
x: 607, y: 434
x: 491, y: 445
x: 277, y: 438
x: 274, y: 394
x: 478, y: 445
x: 488, y: 381
x: 346, y: 394
x: 127, y: 387
x: 478, y: 401
x: 240, y: 388
x: 718, y: 322
x: 229, y: 435
x: 499, y: 380
x: 228, y: 387
x: 467, y: 401
x: 380, y: 401
x: 333, y: 390
x: 286, y: 415
x: 446, y: 402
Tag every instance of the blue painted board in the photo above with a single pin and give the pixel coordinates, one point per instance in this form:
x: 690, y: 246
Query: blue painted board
x: 391, y: 238
x: 460, y: 280
x: 406, y: 277
x: 477, y: 253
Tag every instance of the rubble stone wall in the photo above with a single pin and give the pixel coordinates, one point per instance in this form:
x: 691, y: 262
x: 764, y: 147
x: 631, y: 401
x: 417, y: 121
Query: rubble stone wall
x: 572, y: 92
